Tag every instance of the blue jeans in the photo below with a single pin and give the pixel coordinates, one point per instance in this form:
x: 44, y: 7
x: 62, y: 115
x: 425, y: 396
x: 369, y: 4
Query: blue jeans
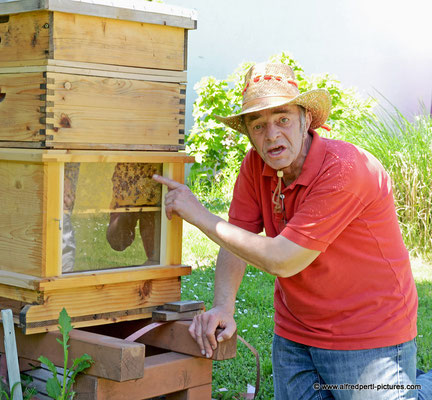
x: 303, y: 372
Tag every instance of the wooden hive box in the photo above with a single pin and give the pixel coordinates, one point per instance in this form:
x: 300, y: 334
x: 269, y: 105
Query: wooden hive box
x: 85, y: 230
x: 99, y: 75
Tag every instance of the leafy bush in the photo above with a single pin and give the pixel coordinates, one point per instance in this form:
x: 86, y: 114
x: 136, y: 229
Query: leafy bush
x: 218, y: 149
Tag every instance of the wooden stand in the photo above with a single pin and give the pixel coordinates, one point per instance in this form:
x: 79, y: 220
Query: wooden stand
x: 93, y: 93
x: 122, y: 369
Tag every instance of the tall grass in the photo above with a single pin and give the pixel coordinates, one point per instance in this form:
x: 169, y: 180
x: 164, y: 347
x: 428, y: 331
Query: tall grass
x: 405, y: 150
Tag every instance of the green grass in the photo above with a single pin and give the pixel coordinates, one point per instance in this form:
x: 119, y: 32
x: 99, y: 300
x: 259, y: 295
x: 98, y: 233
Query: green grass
x: 254, y: 315
x: 93, y: 250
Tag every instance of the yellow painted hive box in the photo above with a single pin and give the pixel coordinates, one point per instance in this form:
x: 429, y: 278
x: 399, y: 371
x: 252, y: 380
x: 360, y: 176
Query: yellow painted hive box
x: 93, y: 75
x: 85, y: 230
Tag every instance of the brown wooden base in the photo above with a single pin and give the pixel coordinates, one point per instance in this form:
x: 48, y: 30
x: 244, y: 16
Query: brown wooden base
x: 124, y: 370
x: 173, y: 375
x: 178, y: 375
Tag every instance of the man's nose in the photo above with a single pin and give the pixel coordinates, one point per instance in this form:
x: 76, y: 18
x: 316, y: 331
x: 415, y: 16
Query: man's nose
x: 272, y: 132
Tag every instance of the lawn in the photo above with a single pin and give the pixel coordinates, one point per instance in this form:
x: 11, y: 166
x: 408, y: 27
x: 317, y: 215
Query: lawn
x: 254, y: 315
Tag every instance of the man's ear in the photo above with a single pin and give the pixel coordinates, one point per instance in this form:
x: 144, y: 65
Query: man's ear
x: 308, y: 119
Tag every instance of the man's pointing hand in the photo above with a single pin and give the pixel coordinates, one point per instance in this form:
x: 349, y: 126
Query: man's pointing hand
x: 180, y: 201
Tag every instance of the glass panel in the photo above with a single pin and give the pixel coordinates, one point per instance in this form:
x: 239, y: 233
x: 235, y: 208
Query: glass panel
x: 112, y: 216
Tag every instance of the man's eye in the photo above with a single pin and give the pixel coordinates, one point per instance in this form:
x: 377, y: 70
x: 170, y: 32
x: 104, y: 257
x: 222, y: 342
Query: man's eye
x: 284, y: 120
x: 257, y: 127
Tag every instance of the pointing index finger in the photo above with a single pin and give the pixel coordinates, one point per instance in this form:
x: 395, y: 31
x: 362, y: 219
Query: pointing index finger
x: 166, y: 181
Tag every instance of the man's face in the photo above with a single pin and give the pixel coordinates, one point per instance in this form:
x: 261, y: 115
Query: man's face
x: 277, y: 135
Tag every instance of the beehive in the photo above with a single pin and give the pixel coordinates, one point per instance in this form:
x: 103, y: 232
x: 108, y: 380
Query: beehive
x: 99, y: 75
x: 88, y: 92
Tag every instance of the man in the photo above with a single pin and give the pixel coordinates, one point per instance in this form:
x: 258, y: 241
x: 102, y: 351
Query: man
x: 345, y: 299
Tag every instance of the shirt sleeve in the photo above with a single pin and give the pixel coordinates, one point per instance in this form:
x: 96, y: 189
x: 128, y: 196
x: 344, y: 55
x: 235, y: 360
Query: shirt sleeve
x: 245, y: 210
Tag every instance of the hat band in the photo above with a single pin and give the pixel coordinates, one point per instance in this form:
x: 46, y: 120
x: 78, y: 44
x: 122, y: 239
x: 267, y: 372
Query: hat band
x: 266, y: 102
x: 257, y: 78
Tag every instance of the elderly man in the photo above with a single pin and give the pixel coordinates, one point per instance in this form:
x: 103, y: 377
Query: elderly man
x: 345, y: 299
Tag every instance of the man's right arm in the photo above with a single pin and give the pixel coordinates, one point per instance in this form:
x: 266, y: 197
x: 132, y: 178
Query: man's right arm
x: 228, y: 276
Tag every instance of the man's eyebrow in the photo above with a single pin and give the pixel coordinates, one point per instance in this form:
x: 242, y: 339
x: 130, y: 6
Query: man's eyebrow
x: 250, y: 118
x: 283, y: 111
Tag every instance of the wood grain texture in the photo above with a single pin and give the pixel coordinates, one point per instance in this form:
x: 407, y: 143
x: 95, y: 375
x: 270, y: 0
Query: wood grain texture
x: 92, y: 69
x: 24, y: 37
x: 120, y: 275
x: 109, y: 41
x: 21, y: 217
x: 131, y: 10
x: 20, y: 107
x: 88, y: 109
x: 101, y: 299
x: 175, y: 336
x: 20, y: 294
x: 202, y: 392
x: 172, y: 230
x: 164, y: 373
x: 53, y: 214
x: 114, y: 358
x: 72, y: 37
x: 96, y: 156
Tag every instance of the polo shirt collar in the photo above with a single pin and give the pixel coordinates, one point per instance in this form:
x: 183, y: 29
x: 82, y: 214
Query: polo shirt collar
x: 311, y: 166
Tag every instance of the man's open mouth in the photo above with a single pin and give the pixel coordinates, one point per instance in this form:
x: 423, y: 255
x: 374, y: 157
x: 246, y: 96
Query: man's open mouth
x: 276, y: 151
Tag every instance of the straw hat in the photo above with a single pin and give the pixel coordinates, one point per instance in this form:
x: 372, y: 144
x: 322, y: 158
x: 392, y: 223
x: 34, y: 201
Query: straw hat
x: 269, y: 85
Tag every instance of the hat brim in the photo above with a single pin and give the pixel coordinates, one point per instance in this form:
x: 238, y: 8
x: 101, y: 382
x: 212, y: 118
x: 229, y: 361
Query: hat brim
x: 317, y: 101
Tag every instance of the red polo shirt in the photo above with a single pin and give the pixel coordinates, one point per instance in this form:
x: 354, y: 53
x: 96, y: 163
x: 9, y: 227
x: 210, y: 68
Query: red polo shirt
x: 359, y: 292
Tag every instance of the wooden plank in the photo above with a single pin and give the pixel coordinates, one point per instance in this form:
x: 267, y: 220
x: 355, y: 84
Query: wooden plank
x: 172, y: 230
x: 115, y: 156
x: 117, y: 210
x: 203, y: 392
x: 116, y: 75
x: 165, y: 315
x: 11, y: 354
x: 42, y: 155
x: 25, y: 37
x: 177, y: 76
x: 20, y: 107
x: 86, y: 321
x: 114, y: 358
x: 117, y: 146
x: 20, y: 294
x: 117, y: 111
x: 131, y: 10
x: 25, y: 145
x: 86, y: 38
x: 164, y: 373
x: 21, y: 217
x: 176, y: 337
x: 18, y: 280
x: 85, y: 304
x: 184, y: 305
x: 102, y: 70
x: 53, y: 215
x: 113, y: 276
